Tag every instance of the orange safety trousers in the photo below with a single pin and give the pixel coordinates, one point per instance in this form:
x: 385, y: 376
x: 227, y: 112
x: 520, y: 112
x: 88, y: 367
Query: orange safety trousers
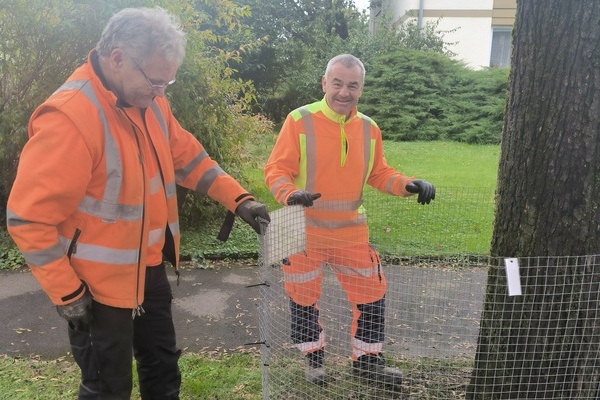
x: 359, y: 272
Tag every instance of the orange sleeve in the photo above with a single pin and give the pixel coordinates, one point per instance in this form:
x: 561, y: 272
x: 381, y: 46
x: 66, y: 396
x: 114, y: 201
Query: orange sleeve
x: 283, y: 164
x: 383, y: 177
x: 54, y: 170
x: 196, y: 170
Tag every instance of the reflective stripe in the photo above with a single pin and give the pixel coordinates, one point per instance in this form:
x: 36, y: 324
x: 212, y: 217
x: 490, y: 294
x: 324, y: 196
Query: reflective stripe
x: 174, y: 227
x: 364, y: 272
x: 312, y: 346
x: 155, y: 184
x: 171, y: 189
x: 368, y: 148
x: 114, y: 165
x: 46, y: 256
x: 160, y: 118
x: 276, y: 185
x: 360, y: 348
x: 208, y: 178
x: 100, y: 254
x: 13, y: 219
x: 329, y: 224
x: 110, y: 212
x: 336, y: 205
x: 302, y: 278
x: 155, y: 236
x: 108, y: 208
x: 308, y: 152
x: 183, y: 173
x: 105, y: 255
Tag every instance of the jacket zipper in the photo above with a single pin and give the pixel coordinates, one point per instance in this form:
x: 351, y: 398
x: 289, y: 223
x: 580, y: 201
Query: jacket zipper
x: 343, y: 143
x: 139, y: 310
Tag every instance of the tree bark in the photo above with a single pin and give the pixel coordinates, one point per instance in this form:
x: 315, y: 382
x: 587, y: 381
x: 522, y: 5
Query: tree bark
x: 545, y: 343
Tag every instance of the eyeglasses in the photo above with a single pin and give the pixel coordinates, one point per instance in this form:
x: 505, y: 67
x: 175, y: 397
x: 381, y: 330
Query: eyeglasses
x: 155, y: 86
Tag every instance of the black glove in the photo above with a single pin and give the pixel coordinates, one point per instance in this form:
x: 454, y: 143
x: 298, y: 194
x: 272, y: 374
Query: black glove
x: 250, y: 210
x: 425, y: 189
x: 78, y: 313
x: 302, y: 197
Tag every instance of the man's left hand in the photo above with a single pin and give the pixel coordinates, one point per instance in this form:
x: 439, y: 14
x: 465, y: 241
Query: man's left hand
x: 425, y: 189
x: 250, y: 210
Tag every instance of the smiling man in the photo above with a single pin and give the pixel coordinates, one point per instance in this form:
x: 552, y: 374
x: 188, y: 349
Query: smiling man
x: 325, y: 153
x: 94, y: 208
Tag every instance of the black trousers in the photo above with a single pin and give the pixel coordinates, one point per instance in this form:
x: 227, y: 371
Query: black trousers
x: 370, y: 329
x: 104, y: 353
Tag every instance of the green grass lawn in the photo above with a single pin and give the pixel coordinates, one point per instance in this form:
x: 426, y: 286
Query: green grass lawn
x: 218, y: 377
x: 459, y: 220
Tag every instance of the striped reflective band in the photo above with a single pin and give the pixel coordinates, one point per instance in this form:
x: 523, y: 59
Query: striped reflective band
x: 307, y: 347
x: 102, y: 254
x: 360, y: 348
x: 45, y: 256
x: 302, y: 278
x: 160, y: 118
x: 350, y: 271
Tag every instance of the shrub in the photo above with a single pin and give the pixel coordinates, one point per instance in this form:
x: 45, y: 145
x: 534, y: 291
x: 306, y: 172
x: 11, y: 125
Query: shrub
x: 416, y: 95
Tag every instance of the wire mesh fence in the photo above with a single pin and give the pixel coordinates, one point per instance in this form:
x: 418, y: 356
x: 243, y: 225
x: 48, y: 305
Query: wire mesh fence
x: 456, y: 324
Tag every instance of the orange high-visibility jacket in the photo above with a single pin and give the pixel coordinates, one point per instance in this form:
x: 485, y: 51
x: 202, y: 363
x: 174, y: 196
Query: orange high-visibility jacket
x: 320, y: 151
x: 78, y: 209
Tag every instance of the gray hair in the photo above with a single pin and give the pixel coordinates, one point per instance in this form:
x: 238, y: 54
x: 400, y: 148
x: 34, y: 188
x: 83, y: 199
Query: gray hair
x: 141, y: 32
x: 348, y: 61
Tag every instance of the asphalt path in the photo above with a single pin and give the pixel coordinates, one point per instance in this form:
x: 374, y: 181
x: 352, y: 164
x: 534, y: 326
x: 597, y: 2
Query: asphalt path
x: 215, y: 310
x: 430, y: 311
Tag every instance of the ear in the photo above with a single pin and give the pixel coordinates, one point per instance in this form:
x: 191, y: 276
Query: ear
x: 117, y: 59
x: 324, y: 84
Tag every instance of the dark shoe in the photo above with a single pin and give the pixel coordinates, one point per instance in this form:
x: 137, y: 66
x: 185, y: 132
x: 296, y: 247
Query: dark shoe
x: 315, y: 371
x: 372, y: 368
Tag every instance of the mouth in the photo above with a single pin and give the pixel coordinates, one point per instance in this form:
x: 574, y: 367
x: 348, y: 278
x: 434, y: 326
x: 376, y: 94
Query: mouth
x: 341, y: 101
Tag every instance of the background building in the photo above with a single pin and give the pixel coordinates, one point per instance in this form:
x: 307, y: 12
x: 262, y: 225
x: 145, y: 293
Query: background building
x: 480, y: 30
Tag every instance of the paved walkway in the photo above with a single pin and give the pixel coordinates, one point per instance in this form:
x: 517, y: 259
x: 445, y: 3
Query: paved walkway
x: 214, y: 310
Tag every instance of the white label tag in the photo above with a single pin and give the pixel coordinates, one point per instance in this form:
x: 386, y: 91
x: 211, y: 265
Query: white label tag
x: 513, y: 277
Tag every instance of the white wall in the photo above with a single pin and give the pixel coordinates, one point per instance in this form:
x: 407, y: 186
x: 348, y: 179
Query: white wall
x: 472, y: 35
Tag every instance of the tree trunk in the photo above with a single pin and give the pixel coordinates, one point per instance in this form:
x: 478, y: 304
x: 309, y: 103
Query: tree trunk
x: 545, y: 343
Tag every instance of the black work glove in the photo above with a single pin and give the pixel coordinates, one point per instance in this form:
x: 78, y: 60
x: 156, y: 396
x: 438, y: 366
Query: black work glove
x: 302, y: 197
x: 425, y: 189
x: 78, y: 313
x: 250, y: 210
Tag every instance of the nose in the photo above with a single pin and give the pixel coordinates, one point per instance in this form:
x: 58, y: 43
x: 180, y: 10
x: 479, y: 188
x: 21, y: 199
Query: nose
x: 160, y: 91
x: 344, y: 91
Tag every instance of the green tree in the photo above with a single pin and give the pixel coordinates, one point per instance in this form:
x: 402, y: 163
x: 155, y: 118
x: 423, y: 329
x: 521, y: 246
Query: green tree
x: 544, y: 343
x: 38, y: 50
x: 298, y: 38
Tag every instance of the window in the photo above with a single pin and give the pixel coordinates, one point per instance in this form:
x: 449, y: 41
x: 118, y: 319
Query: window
x: 501, y: 46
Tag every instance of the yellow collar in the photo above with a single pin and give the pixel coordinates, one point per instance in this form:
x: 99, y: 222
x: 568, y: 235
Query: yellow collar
x: 335, y: 117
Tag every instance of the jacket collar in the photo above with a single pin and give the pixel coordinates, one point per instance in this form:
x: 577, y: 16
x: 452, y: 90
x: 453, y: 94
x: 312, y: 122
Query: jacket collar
x: 335, y: 117
x: 93, y: 60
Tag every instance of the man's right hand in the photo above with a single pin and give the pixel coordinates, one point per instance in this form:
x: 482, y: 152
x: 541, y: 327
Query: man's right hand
x: 78, y: 313
x: 302, y: 197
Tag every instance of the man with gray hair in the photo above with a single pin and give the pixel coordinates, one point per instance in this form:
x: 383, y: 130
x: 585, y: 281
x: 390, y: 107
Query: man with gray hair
x: 94, y: 210
x: 325, y: 154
